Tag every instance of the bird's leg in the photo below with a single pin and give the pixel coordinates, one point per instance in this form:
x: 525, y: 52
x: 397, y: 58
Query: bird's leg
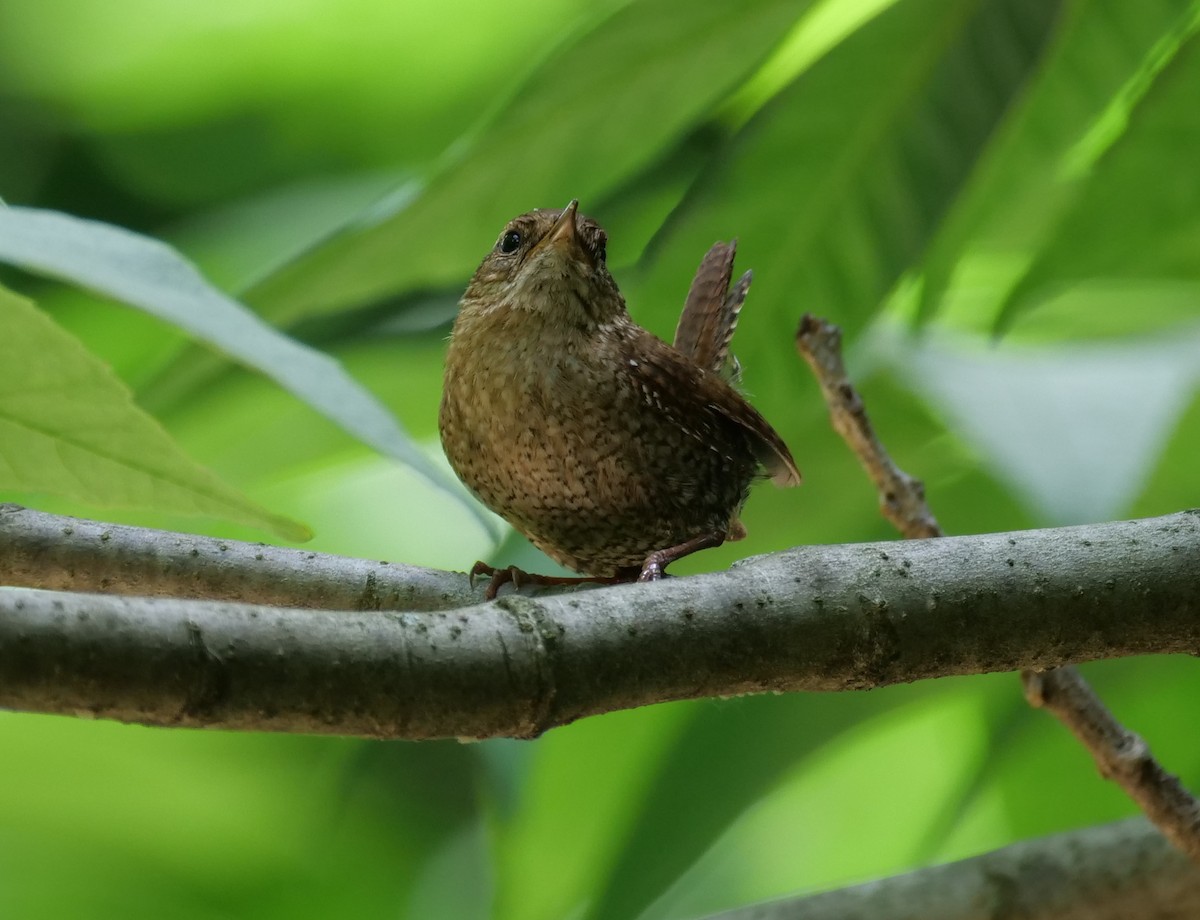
x: 656, y: 563
x: 518, y: 577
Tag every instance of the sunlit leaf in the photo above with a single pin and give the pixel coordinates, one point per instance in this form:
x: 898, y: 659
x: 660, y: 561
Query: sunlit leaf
x: 835, y: 186
x: 1078, y: 103
x: 1138, y: 219
x: 1104, y: 308
x: 69, y: 427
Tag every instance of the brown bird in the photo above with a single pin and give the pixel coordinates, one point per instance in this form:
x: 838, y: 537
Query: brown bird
x: 612, y: 451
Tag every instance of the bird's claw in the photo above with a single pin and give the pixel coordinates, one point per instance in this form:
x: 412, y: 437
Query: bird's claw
x: 499, y: 577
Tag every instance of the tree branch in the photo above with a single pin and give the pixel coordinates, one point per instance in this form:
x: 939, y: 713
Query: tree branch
x: 39, y: 550
x: 1121, y: 755
x: 811, y: 618
x: 1122, y: 871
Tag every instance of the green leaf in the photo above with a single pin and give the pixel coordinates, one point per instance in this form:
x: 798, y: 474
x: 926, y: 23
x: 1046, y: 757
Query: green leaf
x: 599, y: 767
x: 705, y: 780
x: 68, y: 426
x: 1137, y: 220
x: 150, y: 275
x: 876, y: 768
x: 835, y: 186
x: 597, y: 111
x: 1032, y: 173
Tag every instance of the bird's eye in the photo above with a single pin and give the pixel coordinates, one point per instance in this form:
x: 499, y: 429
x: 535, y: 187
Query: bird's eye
x: 510, y: 242
x: 601, y: 253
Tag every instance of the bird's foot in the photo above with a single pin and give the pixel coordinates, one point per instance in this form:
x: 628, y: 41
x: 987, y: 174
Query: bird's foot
x: 655, y: 566
x: 518, y: 577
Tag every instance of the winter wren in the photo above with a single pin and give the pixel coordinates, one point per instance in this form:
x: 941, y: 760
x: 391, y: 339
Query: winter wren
x: 612, y: 451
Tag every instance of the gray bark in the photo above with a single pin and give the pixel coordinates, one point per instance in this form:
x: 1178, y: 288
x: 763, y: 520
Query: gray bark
x: 814, y: 618
x: 39, y: 550
x: 1122, y: 871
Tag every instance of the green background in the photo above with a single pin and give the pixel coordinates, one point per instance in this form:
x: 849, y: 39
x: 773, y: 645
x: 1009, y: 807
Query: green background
x: 998, y: 201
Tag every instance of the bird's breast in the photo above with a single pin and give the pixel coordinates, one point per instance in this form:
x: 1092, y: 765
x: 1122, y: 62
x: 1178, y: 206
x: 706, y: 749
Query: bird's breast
x: 533, y: 423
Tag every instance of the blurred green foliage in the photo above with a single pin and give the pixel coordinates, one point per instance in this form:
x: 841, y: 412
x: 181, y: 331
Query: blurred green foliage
x: 928, y: 173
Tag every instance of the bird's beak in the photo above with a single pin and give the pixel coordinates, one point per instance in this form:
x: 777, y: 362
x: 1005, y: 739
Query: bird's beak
x: 564, y: 235
x: 563, y: 232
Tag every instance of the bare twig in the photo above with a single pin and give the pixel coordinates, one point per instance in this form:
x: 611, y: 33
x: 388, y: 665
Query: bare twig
x: 1121, y: 871
x: 901, y: 497
x: 1121, y: 755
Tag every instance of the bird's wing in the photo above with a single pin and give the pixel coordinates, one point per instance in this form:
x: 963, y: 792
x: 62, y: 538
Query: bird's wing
x: 700, y: 401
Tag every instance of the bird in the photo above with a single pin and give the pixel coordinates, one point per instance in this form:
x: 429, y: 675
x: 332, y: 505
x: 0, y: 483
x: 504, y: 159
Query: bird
x: 612, y: 451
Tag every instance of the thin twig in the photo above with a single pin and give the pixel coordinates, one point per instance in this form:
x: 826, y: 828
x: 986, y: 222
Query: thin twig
x: 1121, y: 755
x: 901, y: 497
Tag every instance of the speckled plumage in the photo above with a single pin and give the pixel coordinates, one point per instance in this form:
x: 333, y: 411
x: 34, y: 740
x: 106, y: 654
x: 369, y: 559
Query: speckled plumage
x: 598, y: 441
